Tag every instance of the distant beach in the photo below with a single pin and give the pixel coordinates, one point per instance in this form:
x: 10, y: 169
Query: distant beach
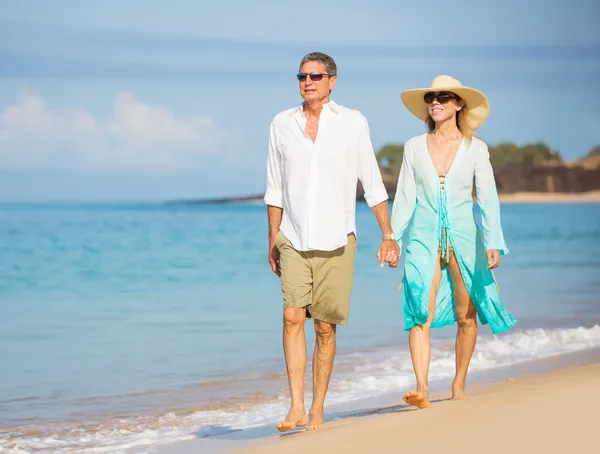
x: 551, y: 197
x: 516, y: 197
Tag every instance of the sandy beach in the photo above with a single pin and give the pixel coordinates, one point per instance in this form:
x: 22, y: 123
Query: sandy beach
x: 551, y: 197
x: 553, y: 412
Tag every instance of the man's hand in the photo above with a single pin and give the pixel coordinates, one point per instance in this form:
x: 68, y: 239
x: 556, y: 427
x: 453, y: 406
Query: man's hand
x: 493, y: 256
x: 388, y: 252
x: 274, y: 256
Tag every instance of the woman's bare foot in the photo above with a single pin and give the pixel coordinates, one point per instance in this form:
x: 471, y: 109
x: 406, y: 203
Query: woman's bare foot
x: 419, y: 399
x: 458, y: 391
x: 317, y: 419
x: 295, y: 418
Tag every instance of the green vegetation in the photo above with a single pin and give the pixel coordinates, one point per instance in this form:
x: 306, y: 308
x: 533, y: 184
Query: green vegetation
x: 389, y: 158
x: 594, y: 152
x: 528, y: 155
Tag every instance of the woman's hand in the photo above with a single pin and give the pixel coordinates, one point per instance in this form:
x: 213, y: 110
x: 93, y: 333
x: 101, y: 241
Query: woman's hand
x: 493, y: 256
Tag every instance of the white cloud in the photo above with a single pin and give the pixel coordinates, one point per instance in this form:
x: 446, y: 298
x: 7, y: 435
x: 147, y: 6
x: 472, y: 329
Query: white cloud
x: 135, y: 136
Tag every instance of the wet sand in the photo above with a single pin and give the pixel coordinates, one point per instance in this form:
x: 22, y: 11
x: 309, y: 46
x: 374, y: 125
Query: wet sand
x: 554, y: 412
x: 547, y: 405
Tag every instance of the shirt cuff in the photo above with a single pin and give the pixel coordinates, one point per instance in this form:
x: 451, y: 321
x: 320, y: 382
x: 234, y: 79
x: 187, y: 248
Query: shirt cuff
x: 274, y: 198
x: 376, y: 196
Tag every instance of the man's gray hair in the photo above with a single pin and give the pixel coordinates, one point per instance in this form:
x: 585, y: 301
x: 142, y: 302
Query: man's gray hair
x: 330, y: 65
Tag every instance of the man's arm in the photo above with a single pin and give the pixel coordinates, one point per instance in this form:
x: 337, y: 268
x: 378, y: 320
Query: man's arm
x: 383, y: 217
x: 274, y: 215
x: 376, y: 195
x: 389, y: 250
x: 274, y: 197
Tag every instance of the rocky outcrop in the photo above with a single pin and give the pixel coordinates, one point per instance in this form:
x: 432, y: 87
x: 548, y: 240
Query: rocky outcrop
x: 547, y: 178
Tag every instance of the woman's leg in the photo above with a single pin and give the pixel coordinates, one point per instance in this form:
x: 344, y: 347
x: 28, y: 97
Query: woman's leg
x: 466, y: 336
x: 420, y: 347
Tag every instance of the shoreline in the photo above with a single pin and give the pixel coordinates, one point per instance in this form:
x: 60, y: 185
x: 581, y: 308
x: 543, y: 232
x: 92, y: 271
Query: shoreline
x: 248, y: 419
x: 531, y: 413
x: 516, y: 197
x: 488, y: 390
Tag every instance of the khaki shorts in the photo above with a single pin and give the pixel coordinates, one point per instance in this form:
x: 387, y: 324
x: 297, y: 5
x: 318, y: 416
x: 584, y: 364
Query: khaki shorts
x: 319, y: 281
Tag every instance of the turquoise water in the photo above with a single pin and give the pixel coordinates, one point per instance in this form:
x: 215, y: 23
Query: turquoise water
x: 140, y: 312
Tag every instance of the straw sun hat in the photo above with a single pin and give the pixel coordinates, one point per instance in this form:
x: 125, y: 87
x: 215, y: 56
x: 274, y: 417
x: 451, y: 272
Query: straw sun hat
x: 476, y: 103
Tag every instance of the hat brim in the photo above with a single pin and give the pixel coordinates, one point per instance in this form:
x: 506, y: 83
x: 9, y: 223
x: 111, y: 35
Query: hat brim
x: 476, y: 103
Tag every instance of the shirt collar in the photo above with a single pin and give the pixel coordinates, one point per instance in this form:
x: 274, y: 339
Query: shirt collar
x: 331, y: 106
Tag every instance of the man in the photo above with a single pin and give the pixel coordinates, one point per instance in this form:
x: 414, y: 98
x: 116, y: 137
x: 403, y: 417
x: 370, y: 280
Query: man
x: 317, y: 153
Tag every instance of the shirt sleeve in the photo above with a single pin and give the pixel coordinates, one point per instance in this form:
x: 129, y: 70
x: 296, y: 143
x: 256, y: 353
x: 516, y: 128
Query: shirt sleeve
x: 368, y: 169
x: 274, y: 192
x: 405, y: 199
x: 489, y: 204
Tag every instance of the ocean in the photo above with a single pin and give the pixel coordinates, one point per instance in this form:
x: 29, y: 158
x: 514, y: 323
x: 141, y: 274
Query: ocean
x: 130, y: 325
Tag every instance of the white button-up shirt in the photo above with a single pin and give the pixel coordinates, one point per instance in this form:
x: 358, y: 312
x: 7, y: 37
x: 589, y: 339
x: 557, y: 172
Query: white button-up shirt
x: 315, y: 183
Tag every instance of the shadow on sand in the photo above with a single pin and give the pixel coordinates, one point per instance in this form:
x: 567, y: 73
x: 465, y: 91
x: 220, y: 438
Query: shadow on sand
x: 229, y: 433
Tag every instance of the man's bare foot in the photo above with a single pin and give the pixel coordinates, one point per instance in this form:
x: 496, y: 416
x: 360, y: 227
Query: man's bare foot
x: 317, y: 420
x: 458, y: 391
x: 419, y: 399
x: 295, y: 418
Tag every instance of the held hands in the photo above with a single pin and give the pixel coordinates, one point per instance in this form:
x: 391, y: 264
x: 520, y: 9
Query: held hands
x: 493, y: 256
x: 388, y: 252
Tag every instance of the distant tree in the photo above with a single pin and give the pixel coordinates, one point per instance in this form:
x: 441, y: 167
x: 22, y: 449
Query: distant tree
x: 594, y: 151
x: 592, y: 160
x: 529, y: 154
x: 389, y: 158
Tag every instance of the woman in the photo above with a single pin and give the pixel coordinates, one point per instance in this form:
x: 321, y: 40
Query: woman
x: 448, y: 269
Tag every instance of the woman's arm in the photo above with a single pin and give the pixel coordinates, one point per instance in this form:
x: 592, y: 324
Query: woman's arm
x: 406, y: 197
x: 487, y: 199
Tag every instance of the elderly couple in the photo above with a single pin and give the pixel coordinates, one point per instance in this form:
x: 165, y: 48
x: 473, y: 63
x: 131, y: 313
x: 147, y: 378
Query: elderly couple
x: 317, y: 153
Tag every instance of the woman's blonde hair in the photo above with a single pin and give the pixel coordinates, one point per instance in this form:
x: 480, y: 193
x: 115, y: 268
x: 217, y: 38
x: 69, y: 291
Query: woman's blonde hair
x: 462, y: 123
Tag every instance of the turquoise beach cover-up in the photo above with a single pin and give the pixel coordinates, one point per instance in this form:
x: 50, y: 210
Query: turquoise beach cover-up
x: 436, y: 209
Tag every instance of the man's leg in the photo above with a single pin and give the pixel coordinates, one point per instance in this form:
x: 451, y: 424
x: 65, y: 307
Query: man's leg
x: 333, y: 272
x: 322, y: 367
x: 296, y: 286
x: 466, y: 336
x: 294, y: 348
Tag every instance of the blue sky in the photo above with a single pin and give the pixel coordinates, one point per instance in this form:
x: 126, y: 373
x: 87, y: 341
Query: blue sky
x: 149, y: 100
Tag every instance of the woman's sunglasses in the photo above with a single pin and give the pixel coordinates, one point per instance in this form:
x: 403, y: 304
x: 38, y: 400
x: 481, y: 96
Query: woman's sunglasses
x: 443, y: 97
x: 315, y: 77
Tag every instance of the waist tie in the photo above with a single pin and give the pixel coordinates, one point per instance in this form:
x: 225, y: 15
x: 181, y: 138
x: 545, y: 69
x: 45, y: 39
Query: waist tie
x: 443, y: 222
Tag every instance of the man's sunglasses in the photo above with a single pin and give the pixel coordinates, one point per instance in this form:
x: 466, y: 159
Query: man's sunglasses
x: 315, y: 77
x: 443, y: 97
